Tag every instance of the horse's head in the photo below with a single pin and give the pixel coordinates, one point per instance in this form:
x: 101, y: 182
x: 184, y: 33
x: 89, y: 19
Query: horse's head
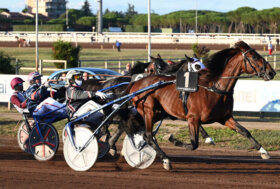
x: 157, y: 65
x: 254, y: 63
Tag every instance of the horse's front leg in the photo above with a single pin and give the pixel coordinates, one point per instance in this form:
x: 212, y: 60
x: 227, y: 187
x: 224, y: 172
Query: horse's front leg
x: 194, y: 125
x: 204, y: 134
x: 234, y: 125
x: 150, y: 139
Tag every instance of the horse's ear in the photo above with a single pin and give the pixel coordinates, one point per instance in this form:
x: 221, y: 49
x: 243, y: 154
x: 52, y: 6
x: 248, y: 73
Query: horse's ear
x: 158, y: 55
x: 189, y: 59
x: 194, y: 55
x: 152, y: 58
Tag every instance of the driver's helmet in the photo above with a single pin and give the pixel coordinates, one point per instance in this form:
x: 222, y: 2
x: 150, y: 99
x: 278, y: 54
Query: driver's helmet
x: 15, y: 82
x: 32, y: 76
x: 70, y: 76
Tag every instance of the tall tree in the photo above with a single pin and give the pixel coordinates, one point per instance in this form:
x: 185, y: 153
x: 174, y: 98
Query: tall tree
x: 130, y: 12
x: 86, y: 9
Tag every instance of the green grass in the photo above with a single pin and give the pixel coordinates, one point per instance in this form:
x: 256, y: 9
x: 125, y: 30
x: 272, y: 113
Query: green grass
x: 225, y: 137
x: 27, y: 56
x: 8, y: 127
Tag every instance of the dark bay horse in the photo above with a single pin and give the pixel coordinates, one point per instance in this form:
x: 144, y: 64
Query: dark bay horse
x: 213, y: 102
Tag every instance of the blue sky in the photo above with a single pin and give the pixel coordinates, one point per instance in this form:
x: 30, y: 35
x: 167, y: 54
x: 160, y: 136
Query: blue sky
x: 158, y: 6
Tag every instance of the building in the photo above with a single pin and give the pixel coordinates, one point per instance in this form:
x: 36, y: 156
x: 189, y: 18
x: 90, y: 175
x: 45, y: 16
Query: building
x: 49, y: 8
x: 21, y: 16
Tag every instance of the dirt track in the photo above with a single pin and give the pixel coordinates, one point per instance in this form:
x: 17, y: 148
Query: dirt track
x: 203, y: 168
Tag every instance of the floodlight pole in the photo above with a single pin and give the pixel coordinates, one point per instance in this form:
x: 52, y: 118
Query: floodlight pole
x: 36, y: 43
x: 66, y: 15
x: 196, y: 16
x: 149, y: 30
x: 100, y: 22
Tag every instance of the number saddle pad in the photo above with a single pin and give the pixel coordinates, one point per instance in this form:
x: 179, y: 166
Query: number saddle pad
x: 186, y: 81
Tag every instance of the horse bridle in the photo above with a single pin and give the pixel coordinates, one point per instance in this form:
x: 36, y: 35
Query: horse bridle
x: 246, y: 59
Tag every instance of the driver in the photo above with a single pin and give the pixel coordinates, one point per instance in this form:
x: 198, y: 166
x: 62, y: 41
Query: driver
x: 79, y: 101
x: 18, y: 97
x: 36, y: 92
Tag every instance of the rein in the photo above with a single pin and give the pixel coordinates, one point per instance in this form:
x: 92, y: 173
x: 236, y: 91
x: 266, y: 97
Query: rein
x: 216, y: 90
x: 246, y: 60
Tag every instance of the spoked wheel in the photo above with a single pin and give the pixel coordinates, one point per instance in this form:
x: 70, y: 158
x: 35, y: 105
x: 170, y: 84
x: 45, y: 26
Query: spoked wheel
x: 23, y: 136
x: 139, y: 159
x: 84, y: 160
x: 43, y: 146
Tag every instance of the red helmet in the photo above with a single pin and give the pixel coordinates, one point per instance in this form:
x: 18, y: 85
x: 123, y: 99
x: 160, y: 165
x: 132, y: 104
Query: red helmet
x: 16, y: 81
x: 33, y: 75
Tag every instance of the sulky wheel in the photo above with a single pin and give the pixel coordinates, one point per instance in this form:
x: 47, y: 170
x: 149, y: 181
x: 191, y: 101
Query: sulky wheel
x: 84, y: 160
x: 23, y: 135
x: 43, y: 146
x: 139, y: 159
x: 64, y: 134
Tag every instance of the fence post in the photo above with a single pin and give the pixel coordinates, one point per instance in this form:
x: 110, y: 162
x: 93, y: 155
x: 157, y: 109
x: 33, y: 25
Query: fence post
x: 65, y: 64
x: 132, y: 62
x: 119, y: 65
x: 17, y: 67
x: 106, y: 64
x: 40, y: 65
x: 80, y: 63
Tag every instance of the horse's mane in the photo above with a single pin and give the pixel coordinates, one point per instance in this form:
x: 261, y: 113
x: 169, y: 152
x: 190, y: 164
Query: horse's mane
x: 216, y: 63
x: 173, y: 68
x: 91, y: 85
x: 138, y: 68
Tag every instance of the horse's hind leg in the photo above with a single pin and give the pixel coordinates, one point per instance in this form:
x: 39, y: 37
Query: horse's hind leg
x: 204, y: 134
x: 113, y: 140
x: 234, y: 125
x: 151, y: 140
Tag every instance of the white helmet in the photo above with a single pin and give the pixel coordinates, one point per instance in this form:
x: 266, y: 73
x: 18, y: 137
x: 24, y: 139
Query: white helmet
x: 69, y: 76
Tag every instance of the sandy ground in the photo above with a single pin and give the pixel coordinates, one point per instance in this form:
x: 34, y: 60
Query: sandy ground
x: 207, y: 167
x: 203, y: 168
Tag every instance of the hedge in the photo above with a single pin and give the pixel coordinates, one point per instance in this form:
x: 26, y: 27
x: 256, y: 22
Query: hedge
x: 47, y: 27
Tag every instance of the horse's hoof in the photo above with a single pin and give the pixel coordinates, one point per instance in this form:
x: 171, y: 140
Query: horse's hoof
x: 167, y: 164
x: 209, y: 140
x: 122, y: 152
x: 170, y: 138
x: 265, y: 156
x: 112, y: 152
x: 264, y: 153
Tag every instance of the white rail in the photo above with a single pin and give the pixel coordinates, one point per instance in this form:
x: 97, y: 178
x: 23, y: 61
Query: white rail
x: 133, y: 37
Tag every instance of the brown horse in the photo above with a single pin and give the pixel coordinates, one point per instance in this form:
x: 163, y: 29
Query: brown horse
x: 213, y: 102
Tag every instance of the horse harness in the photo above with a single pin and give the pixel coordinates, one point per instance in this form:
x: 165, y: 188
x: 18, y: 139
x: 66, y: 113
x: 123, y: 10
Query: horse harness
x: 246, y: 60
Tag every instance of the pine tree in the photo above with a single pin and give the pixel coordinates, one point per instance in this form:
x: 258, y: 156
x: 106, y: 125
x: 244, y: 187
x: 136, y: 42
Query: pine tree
x: 86, y: 9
